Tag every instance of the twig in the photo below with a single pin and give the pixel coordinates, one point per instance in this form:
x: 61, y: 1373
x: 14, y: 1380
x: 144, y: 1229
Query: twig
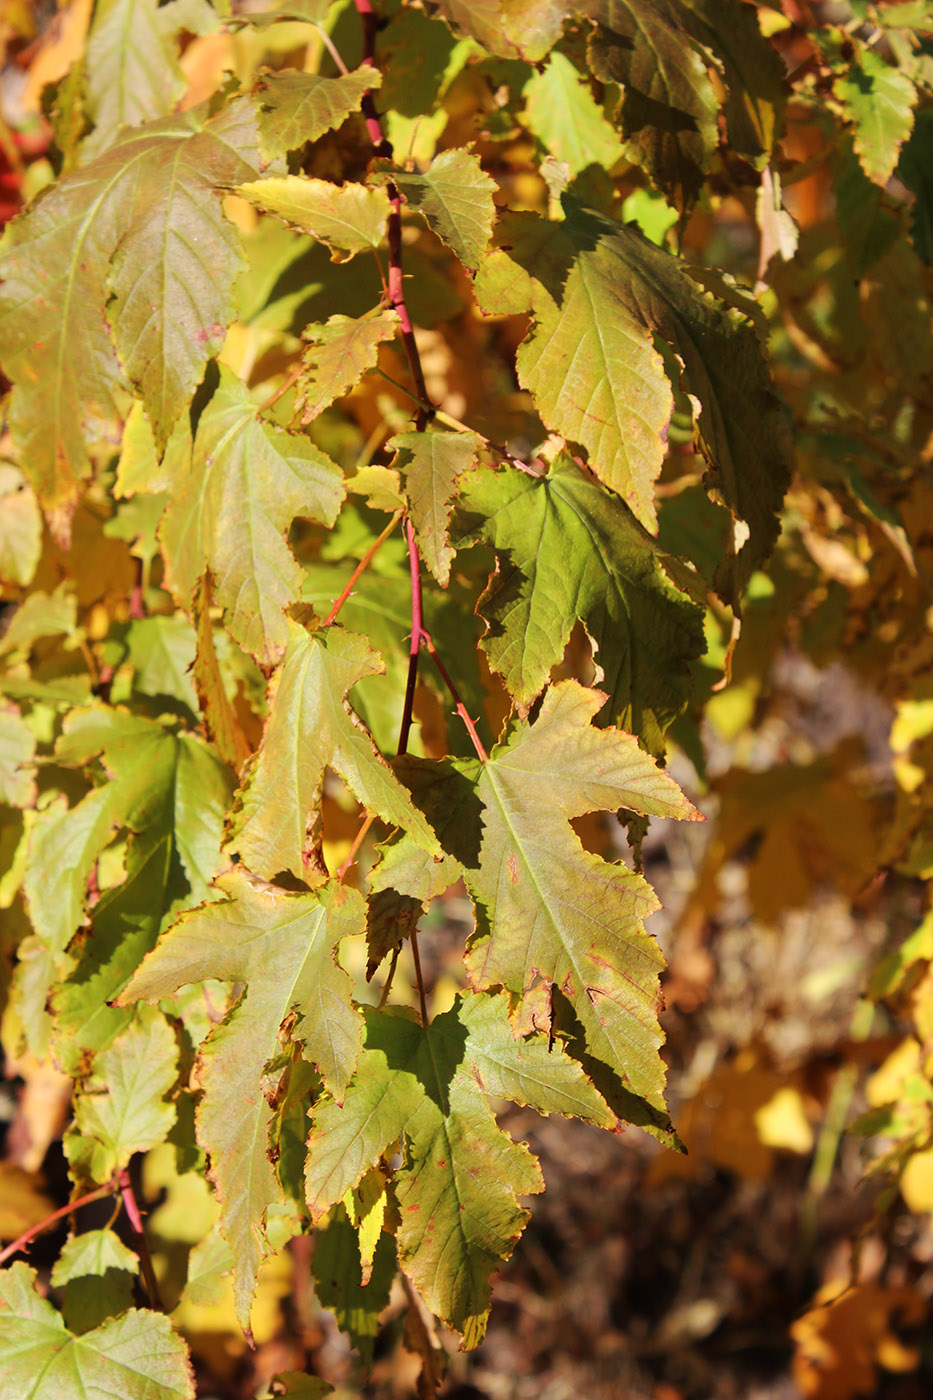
x: 28, y: 1235
x: 416, y: 959
x: 387, y: 985
x: 459, y: 426
x: 290, y: 379
x: 357, y: 843
x: 361, y: 567
x: 460, y: 707
x: 139, y: 1235
x: 330, y: 46
x: 417, y: 637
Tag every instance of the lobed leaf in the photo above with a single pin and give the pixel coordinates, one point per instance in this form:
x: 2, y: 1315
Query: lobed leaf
x: 338, y: 354
x: 298, y: 107
x: 247, y: 483
x: 283, y: 947
x: 568, y: 551
x: 348, y: 218
x: 455, y: 197
x: 433, y: 463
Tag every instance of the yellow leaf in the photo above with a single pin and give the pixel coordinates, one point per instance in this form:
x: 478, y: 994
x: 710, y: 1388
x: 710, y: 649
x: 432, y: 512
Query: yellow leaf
x: 782, y: 1122
x: 917, y: 1182
x: 23, y: 1203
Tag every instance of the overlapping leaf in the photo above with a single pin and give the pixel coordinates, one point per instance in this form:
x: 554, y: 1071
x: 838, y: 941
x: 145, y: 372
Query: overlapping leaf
x: 96, y: 1271
x: 509, y: 28
x: 455, y: 197
x: 298, y: 107
x: 310, y: 727
x: 457, y: 1188
x: 349, y: 218
x: 879, y: 100
x: 248, y: 481
x: 282, y: 946
x: 126, y: 266
x: 337, y: 356
x: 567, y: 551
x: 600, y: 292
x: 545, y: 907
x: 169, y: 787
x: 138, y: 1355
x: 561, y: 111
x: 433, y: 463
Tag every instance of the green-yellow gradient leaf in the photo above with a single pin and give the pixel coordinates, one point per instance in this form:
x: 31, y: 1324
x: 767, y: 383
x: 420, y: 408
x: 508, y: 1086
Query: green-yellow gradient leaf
x: 879, y: 101
x: 561, y: 111
x: 568, y: 551
x: 132, y: 70
x: 298, y: 107
x: 17, y: 752
x: 20, y: 527
x: 601, y: 292
x: 282, y: 946
x: 164, y: 785
x: 123, y: 1108
x: 349, y: 218
x: 337, y: 355
x: 311, y: 726
x: 546, y: 908
x: 455, y: 197
x: 248, y: 481
x: 137, y: 1356
x: 123, y: 271
x: 97, y: 1272
x: 461, y: 1174
x: 433, y: 462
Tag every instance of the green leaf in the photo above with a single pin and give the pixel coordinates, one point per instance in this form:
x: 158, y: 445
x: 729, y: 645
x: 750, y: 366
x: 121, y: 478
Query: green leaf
x: 248, y: 482
x: 349, y: 218
x: 546, y: 908
x: 879, y: 101
x: 568, y: 551
x: 339, y: 1282
x: 282, y: 946
x: 126, y: 266
x: 310, y: 727
x: 433, y: 463
x: 41, y: 615
x: 20, y: 528
x: 156, y: 782
x: 455, y: 197
x: 17, y: 752
x: 916, y: 170
x: 461, y: 1174
x: 96, y: 1271
x: 137, y: 1356
x: 298, y: 107
x: 122, y: 1108
x: 337, y: 356
x: 600, y: 293
x: 561, y: 111
x: 161, y: 651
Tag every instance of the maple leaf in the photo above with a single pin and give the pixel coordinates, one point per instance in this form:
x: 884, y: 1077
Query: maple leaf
x: 433, y: 463
x: 282, y: 946
x: 569, y: 551
x: 137, y: 1355
x: 127, y: 265
x: 461, y: 1175
x: 600, y: 293
x: 454, y: 195
x: 247, y: 483
x: 338, y: 354
x: 171, y: 787
x: 298, y: 107
x: 310, y: 727
x: 349, y: 218
x: 545, y: 907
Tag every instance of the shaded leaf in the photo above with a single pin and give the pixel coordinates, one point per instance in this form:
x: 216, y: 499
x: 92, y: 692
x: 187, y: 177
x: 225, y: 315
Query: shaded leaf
x: 879, y: 100
x: 339, y: 1282
x: 455, y: 197
x: 282, y: 946
x: 509, y: 28
x: 248, y: 482
x: 137, y: 1356
x: 96, y: 1271
x: 461, y: 1173
x: 568, y: 551
x: 310, y: 727
x: 600, y: 293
